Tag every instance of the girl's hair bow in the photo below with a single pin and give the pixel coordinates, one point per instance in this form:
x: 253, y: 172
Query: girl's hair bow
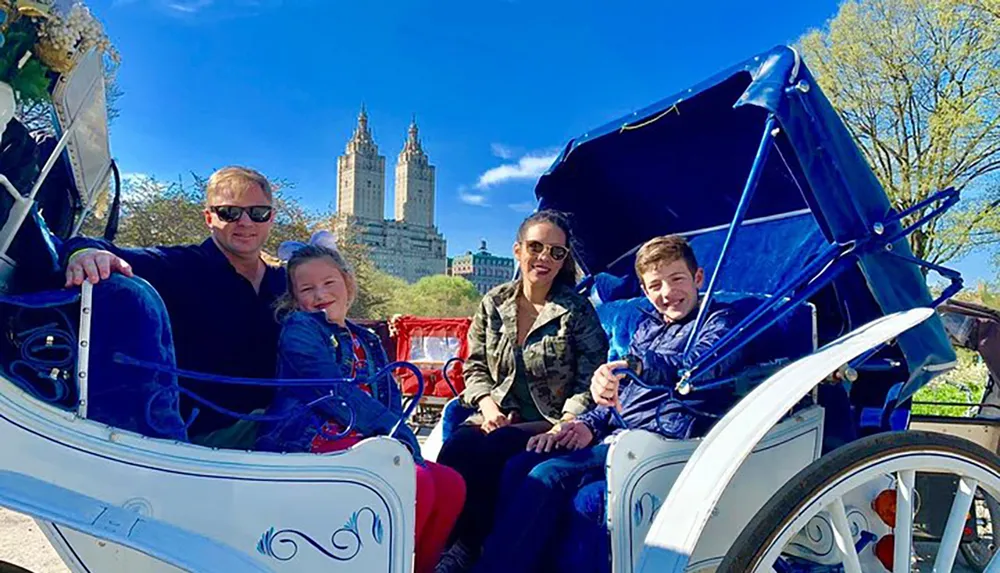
x: 321, y: 238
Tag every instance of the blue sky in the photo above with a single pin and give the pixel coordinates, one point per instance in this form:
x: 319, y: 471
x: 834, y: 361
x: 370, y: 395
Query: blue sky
x: 496, y: 85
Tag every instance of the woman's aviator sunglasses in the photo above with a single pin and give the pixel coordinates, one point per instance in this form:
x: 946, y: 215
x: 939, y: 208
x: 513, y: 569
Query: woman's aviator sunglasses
x: 557, y: 252
x: 232, y: 213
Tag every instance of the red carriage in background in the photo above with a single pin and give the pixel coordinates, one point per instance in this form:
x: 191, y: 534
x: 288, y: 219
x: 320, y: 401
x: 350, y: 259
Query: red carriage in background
x: 435, y: 346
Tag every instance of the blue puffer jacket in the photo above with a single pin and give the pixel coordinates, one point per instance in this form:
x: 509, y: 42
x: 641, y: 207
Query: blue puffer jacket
x: 660, y: 345
x: 312, y: 347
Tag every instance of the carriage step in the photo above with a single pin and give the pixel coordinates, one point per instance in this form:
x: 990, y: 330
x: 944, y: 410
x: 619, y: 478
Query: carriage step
x: 168, y: 543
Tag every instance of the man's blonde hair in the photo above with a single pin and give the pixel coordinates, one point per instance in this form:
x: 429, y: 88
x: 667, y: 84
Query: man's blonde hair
x: 236, y: 178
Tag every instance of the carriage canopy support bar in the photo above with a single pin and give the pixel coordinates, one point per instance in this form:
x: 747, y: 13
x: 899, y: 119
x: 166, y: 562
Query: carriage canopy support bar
x: 827, y: 265
x: 770, y: 131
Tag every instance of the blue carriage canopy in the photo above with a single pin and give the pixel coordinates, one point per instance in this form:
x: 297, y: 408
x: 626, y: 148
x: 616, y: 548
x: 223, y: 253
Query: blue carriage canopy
x: 681, y: 166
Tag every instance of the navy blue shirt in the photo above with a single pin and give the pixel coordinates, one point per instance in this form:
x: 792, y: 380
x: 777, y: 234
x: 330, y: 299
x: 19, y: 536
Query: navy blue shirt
x: 660, y: 346
x: 220, y: 324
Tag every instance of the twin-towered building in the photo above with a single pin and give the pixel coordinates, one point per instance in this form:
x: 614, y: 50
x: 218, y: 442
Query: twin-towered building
x: 410, y: 245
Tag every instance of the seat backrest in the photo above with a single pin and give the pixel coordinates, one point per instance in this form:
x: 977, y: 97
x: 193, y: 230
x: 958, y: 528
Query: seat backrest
x: 762, y: 257
x: 791, y: 337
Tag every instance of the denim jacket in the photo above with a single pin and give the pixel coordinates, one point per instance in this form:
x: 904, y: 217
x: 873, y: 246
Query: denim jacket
x: 311, y: 347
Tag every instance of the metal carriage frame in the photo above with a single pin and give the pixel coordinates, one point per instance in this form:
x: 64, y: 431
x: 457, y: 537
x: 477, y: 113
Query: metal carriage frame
x: 865, y: 239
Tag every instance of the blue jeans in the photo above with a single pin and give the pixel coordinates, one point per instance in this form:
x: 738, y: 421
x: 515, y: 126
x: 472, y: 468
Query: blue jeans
x: 585, y: 545
x: 535, y: 510
x: 129, y: 317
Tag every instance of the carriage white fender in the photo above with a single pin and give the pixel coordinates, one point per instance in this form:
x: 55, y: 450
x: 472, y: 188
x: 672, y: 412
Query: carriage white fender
x: 680, y: 521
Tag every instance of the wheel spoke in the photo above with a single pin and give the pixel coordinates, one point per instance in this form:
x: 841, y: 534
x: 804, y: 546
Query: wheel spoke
x: 952, y: 535
x: 994, y: 565
x: 903, y: 532
x: 843, y: 538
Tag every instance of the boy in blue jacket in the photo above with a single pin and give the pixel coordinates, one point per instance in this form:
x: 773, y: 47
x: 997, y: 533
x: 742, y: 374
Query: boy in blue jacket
x: 542, y: 488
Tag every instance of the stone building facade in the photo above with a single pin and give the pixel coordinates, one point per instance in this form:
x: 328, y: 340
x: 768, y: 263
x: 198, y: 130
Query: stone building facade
x: 409, y: 246
x: 482, y: 268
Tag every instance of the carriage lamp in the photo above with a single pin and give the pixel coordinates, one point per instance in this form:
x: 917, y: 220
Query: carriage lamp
x: 884, y: 505
x: 885, y: 549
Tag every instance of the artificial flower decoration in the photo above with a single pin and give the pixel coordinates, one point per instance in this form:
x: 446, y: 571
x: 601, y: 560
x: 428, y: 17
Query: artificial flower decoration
x: 38, y: 42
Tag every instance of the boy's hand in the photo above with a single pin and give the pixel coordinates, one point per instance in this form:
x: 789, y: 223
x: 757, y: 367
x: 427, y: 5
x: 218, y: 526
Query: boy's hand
x: 604, y: 384
x: 574, y: 435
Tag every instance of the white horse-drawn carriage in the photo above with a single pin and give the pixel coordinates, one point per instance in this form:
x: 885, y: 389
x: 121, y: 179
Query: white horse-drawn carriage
x: 813, y: 469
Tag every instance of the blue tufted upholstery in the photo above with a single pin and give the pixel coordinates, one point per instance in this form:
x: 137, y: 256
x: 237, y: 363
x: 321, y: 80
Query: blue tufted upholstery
x: 791, y: 337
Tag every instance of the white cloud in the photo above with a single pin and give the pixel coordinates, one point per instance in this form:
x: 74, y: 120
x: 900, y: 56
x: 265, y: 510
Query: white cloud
x: 477, y: 199
x: 530, y: 166
x: 504, y: 151
x: 523, y: 207
x: 190, y: 6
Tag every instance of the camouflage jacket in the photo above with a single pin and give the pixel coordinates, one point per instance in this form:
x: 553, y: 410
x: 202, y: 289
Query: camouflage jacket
x: 562, y: 350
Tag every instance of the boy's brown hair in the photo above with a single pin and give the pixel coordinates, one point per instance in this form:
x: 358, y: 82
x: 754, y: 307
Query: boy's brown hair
x: 663, y: 251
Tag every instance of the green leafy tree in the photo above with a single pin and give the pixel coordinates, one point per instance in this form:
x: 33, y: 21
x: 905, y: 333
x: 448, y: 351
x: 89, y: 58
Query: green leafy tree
x: 438, y: 295
x: 964, y: 384
x: 918, y: 84
x: 155, y: 212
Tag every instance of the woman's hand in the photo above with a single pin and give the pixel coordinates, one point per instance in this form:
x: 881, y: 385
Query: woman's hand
x: 493, y: 418
x: 571, y: 435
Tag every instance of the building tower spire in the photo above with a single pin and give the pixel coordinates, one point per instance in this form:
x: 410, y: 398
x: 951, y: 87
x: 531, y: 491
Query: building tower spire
x: 361, y: 174
x: 361, y: 141
x: 412, y: 148
x: 414, y: 181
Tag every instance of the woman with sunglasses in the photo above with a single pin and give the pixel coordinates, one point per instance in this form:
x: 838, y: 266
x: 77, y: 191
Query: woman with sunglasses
x: 533, y: 346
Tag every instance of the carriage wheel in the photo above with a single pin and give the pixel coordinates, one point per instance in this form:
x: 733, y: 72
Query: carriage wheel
x: 854, y: 508
x: 980, y: 549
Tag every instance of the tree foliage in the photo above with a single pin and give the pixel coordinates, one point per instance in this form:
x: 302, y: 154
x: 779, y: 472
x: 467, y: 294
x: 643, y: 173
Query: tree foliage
x: 155, y: 212
x: 964, y: 384
x: 918, y: 84
x: 986, y: 294
x: 438, y: 295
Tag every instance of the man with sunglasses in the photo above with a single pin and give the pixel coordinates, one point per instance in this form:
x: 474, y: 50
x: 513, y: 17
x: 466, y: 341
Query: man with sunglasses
x: 219, y: 296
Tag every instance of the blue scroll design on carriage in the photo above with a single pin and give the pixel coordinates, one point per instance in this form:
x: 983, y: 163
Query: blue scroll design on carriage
x: 288, y: 539
x: 171, y: 391
x: 639, y: 511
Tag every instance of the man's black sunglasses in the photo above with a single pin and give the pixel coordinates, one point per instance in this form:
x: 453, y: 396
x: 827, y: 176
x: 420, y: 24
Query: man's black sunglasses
x: 232, y: 213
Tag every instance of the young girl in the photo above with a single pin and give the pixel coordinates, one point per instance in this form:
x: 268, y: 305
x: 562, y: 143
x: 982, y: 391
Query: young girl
x: 317, y: 341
